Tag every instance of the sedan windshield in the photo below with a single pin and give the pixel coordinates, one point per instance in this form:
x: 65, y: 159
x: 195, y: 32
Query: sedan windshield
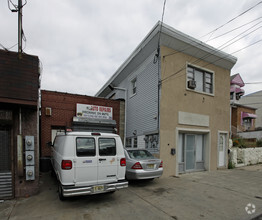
x: 140, y: 154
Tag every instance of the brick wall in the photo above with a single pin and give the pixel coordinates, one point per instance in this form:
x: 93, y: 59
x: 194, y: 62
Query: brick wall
x: 29, y: 128
x: 236, y: 120
x: 63, y: 107
x: 247, y: 110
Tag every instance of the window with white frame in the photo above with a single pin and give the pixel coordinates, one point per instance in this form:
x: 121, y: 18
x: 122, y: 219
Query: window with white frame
x: 200, y: 80
x: 133, y: 86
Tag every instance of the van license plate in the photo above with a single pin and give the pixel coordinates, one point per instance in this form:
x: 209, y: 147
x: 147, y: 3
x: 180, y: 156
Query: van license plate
x: 150, y: 166
x: 98, y: 188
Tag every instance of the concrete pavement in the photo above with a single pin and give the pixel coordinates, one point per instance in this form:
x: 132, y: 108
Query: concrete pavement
x: 222, y: 194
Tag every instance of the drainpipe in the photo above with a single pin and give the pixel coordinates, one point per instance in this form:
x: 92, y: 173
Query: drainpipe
x: 20, y: 169
x: 20, y: 121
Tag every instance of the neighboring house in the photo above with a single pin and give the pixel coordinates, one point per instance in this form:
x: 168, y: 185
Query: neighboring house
x: 177, y: 100
x: 19, y: 123
x: 59, y: 111
x: 236, y: 91
x: 243, y: 118
x: 254, y: 100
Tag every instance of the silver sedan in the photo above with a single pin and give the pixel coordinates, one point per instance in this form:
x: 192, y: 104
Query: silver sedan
x: 141, y: 164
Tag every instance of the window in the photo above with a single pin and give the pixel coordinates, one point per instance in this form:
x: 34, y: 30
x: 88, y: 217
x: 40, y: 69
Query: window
x: 133, y: 86
x: 128, y: 142
x: 247, y: 122
x: 135, y: 142
x: 202, y: 78
x: 231, y: 95
x: 151, y: 141
x: 107, y: 146
x: 85, y: 147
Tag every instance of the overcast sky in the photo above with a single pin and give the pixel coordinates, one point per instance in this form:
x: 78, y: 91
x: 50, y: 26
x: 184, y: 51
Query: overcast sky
x: 81, y: 43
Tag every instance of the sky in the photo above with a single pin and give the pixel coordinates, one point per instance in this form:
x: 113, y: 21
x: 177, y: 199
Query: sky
x: 82, y: 43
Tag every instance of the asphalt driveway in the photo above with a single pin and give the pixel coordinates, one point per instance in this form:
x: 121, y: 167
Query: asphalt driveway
x: 222, y: 194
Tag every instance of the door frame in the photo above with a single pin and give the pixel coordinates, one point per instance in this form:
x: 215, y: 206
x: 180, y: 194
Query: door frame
x: 185, y: 152
x: 226, y: 147
x: 207, y: 144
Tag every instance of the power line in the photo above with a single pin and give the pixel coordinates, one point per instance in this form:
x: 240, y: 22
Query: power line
x: 233, y: 19
x: 235, y: 29
x: 158, y: 44
x: 254, y: 83
x: 198, y: 60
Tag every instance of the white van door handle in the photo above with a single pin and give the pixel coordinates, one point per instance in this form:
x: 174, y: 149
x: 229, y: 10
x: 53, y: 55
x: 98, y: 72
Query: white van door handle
x: 101, y: 159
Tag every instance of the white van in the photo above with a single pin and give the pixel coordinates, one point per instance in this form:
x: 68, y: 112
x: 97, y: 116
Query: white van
x: 88, y: 163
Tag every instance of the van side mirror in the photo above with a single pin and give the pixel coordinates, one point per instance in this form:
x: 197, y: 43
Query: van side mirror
x: 49, y: 144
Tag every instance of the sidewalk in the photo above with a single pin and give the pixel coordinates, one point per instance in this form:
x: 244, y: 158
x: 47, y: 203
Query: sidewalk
x: 223, y: 194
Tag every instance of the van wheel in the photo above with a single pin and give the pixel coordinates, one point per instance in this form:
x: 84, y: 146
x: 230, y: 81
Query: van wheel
x: 60, y: 192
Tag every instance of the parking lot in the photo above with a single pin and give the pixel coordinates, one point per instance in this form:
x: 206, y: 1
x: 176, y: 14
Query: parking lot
x: 223, y: 194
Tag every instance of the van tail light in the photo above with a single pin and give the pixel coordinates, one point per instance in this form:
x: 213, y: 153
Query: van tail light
x: 161, y: 164
x: 123, y: 162
x: 137, y: 166
x: 66, y: 165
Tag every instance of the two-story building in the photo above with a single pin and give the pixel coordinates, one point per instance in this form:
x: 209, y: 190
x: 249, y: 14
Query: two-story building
x: 176, y: 90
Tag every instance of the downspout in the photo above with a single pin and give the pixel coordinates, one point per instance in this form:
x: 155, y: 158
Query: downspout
x: 20, y: 121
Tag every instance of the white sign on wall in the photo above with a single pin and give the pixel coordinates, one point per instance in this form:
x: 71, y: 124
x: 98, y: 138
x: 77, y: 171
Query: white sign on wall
x: 94, y: 111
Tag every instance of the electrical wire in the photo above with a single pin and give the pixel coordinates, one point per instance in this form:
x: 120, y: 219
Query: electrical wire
x: 184, y: 66
x: 225, y: 45
x: 7, y: 48
x: 158, y: 44
x: 232, y: 19
x: 200, y: 43
x: 235, y: 29
x: 254, y: 83
x: 15, y: 6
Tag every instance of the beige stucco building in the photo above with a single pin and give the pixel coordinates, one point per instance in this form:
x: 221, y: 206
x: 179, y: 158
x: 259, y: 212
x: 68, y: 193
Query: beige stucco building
x: 176, y: 91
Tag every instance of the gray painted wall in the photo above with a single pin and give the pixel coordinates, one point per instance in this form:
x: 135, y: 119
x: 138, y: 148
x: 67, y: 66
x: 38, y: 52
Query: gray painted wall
x: 142, y: 108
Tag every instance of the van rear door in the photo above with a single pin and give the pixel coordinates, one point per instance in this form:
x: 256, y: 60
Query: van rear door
x: 85, y: 162
x: 107, y: 160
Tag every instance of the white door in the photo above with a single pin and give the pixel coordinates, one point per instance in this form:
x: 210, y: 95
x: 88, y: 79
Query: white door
x: 107, y: 160
x: 222, y: 150
x: 86, y: 161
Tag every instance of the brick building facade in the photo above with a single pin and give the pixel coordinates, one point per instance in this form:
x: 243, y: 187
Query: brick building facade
x: 242, y: 118
x: 19, y: 117
x: 58, y: 110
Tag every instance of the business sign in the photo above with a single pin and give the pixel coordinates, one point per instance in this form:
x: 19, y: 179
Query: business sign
x: 94, y: 111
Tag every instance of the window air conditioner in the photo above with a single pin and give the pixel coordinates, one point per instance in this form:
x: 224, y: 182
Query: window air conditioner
x: 191, y: 84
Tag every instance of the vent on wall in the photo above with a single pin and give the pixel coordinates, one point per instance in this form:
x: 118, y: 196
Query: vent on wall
x: 48, y: 111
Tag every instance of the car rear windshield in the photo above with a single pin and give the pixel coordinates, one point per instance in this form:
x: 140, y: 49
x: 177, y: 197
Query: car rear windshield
x: 140, y: 154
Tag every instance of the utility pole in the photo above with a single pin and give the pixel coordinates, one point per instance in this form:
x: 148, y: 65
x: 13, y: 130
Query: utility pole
x: 20, y: 50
